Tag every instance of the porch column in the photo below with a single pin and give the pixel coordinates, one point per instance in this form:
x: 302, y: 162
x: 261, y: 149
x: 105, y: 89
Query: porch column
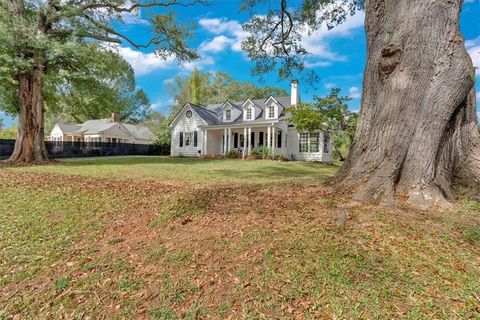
x: 229, y: 139
x: 225, y: 140
x: 204, y: 141
x: 244, y: 153
x: 269, y: 135
x: 249, y: 140
x: 274, y: 138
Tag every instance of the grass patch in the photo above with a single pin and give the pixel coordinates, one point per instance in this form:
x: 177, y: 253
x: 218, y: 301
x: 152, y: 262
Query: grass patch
x: 62, y: 283
x: 116, y: 249
x: 128, y: 284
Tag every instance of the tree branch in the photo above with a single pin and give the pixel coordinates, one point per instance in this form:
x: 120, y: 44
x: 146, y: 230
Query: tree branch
x: 109, y: 30
x: 137, y: 5
x: 83, y: 34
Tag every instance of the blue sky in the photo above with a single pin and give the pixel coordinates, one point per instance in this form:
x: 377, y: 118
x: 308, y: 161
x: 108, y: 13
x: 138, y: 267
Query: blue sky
x: 337, y: 55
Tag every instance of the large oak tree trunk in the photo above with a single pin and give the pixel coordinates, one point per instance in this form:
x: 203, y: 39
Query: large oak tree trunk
x: 417, y: 133
x: 30, y: 143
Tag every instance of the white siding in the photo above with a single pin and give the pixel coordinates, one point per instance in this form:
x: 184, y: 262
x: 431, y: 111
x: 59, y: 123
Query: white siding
x: 294, y: 153
x: 184, y: 124
x: 57, y: 132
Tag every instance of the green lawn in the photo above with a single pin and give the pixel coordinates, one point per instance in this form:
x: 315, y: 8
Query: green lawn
x: 75, y: 246
x: 188, y: 169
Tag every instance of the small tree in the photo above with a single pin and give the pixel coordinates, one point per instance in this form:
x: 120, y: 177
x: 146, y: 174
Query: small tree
x: 329, y: 114
x: 195, y: 83
x: 158, y: 124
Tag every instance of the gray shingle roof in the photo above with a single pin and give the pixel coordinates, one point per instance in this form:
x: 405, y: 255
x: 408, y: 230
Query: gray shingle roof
x: 102, y: 125
x: 139, y: 132
x: 94, y: 126
x: 212, y: 113
x: 68, y: 128
x: 209, y: 116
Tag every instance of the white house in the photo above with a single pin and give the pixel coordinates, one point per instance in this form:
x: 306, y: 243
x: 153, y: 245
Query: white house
x: 102, y: 130
x: 244, y: 125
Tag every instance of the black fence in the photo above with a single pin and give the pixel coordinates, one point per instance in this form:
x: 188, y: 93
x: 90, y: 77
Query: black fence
x: 66, y: 149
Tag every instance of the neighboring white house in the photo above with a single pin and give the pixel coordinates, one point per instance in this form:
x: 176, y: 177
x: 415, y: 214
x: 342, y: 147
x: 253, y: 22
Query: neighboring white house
x: 244, y: 125
x: 102, y: 130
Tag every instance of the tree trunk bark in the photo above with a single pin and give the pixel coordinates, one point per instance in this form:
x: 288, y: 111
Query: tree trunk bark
x: 30, y: 143
x: 417, y: 133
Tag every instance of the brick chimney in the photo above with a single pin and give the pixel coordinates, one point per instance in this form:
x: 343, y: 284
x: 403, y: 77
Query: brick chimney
x: 294, y: 93
x: 115, y: 117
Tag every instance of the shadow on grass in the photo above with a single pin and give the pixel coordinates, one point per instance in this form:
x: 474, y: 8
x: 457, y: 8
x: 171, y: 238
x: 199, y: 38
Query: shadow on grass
x: 279, y: 172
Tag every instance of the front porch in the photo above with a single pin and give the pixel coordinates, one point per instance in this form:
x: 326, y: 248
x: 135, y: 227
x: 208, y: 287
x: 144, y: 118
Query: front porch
x: 222, y: 140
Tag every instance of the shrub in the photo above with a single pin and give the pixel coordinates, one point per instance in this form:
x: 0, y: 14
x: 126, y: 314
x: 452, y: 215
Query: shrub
x: 161, y: 148
x: 262, y: 152
x: 256, y: 154
x: 266, y: 152
x: 233, y: 154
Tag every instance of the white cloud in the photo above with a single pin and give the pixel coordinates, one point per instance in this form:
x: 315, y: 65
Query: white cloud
x: 330, y: 85
x: 198, y: 64
x: 162, y: 105
x: 132, y: 18
x: 354, y: 93
x: 217, y: 44
x: 221, y: 25
x: 473, y: 48
x: 472, y: 43
x: 317, y: 42
x: 229, y: 34
x: 478, y: 96
x: 320, y: 63
x: 145, y: 63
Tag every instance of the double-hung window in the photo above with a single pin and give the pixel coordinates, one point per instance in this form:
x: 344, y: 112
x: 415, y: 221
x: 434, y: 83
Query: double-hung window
x: 303, y: 142
x: 309, y: 142
x: 188, y: 139
x: 249, y: 113
x: 228, y: 115
x: 271, y: 112
x: 326, y: 142
x: 315, y: 142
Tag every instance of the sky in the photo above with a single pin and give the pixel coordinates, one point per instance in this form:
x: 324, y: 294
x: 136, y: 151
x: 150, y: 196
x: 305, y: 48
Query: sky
x: 338, y: 55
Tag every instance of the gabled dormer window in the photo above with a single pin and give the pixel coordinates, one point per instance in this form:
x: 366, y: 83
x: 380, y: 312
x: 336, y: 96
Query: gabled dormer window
x: 249, y: 113
x: 228, y: 115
